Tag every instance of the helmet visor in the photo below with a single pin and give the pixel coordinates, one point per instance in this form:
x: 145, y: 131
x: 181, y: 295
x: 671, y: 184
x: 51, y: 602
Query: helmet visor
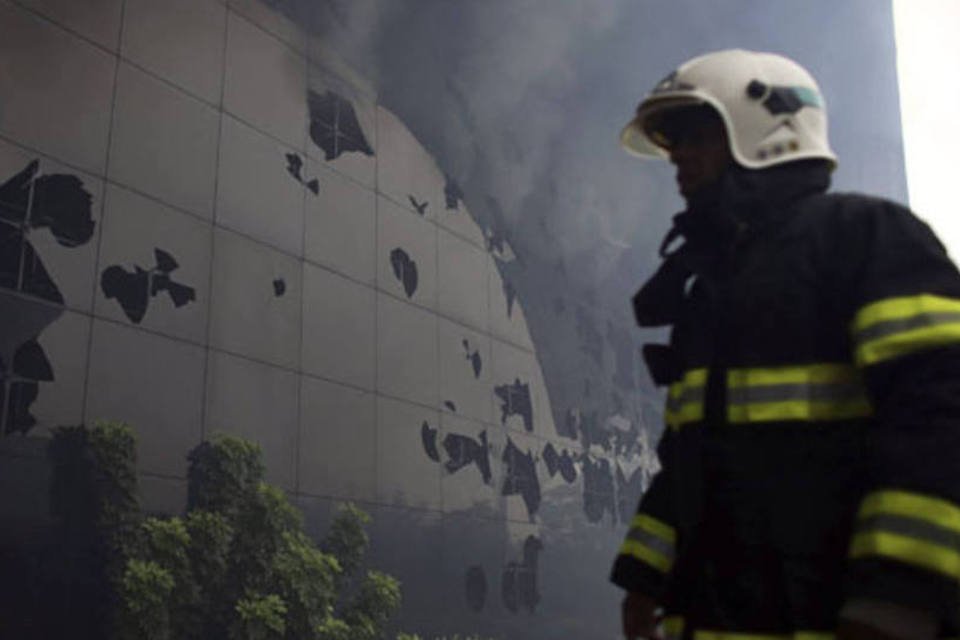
x: 661, y: 123
x: 668, y: 128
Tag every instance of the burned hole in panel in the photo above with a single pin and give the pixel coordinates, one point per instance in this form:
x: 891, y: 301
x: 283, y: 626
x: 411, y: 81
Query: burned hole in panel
x: 404, y: 270
x: 334, y: 126
x: 134, y: 288
x: 31, y: 201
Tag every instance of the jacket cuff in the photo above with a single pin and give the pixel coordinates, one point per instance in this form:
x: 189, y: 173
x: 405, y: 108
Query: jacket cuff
x: 633, y: 575
x: 899, y: 584
x: 893, y: 620
x: 903, y: 551
x: 646, y: 556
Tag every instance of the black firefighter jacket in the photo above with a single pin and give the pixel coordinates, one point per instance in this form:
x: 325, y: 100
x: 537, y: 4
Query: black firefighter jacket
x: 812, y: 448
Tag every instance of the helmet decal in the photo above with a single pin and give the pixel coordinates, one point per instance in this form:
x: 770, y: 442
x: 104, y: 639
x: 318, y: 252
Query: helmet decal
x: 779, y: 100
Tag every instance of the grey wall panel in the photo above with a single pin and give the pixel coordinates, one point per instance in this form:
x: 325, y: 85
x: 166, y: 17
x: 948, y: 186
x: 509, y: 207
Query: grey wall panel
x: 407, y: 543
x: 182, y: 41
x: 340, y: 223
x: 96, y: 20
x: 164, y: 142
x: 474, y: 561
x: 130, y: 381
x: 466, y: 385
x: 406, y: 254
x: 258, y: 402
x: 256, y: 194
x: 406, y: 351
x: 407, y: 174
x: 462, y: 281
x: 264, y: 82
x: 67, y: 114
x: 318, y: 514
x: 454, y: 217
x: 405, y: 478
x: 256, y: 301
x: 24, y: 475
x: 339, y: 318
x: 265, y: 16
x: 337, y: 442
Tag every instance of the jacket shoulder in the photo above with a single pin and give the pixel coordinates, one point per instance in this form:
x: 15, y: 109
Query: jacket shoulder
x: 855, y: 219
x: 875, y: 248
x: 856, y: 208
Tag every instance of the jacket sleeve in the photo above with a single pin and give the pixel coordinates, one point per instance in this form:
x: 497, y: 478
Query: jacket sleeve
x: 646, y: 557
x: 901, y: 295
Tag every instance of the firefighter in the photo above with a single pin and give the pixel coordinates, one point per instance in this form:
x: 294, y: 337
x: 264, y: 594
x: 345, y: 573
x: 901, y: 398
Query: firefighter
x: 810, y: 486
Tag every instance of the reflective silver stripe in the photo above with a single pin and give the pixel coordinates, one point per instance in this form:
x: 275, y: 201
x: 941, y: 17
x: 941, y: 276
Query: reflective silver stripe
x: 911, y: 528
x: 687, y: 396
x: 890, y: 327
x: 651, y: 541
x: 830, y: 392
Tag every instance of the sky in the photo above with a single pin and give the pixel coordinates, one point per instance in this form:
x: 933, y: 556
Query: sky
x: 928, y: 52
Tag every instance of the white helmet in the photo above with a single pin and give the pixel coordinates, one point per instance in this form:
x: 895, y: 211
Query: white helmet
x: 771, y: 106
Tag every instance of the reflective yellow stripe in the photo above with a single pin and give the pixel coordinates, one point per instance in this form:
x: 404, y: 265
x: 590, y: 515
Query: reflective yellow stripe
x: 902, y: 308
x: 896, y: 327
x: 812, y: 392
x: 651, y: 525
x: 818, y: 373
x: 685, y: 399
x: 937, y: 511
x: 907, y: 550
x: 901, y: 344
x: 911, y: 528
x: 798, y: 410
x: 690, y: 412
x: 673, y: 627
x: 642, y: 552
x: 650, y: 541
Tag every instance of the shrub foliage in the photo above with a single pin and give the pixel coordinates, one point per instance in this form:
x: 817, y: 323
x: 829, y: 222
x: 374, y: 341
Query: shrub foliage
x: 237, y: 566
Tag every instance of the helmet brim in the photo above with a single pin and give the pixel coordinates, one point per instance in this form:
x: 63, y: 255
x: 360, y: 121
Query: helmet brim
x: 634, y: 138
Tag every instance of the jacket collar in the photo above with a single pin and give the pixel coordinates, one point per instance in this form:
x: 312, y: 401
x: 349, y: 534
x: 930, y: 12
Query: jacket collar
x: 745, y: 201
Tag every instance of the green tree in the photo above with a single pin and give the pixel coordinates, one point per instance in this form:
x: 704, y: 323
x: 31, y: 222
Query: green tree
x: 237, y: 566
x: 93, y: 493
x: 144, y: 589
x: 259, y: 618
x: 347, y: 539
